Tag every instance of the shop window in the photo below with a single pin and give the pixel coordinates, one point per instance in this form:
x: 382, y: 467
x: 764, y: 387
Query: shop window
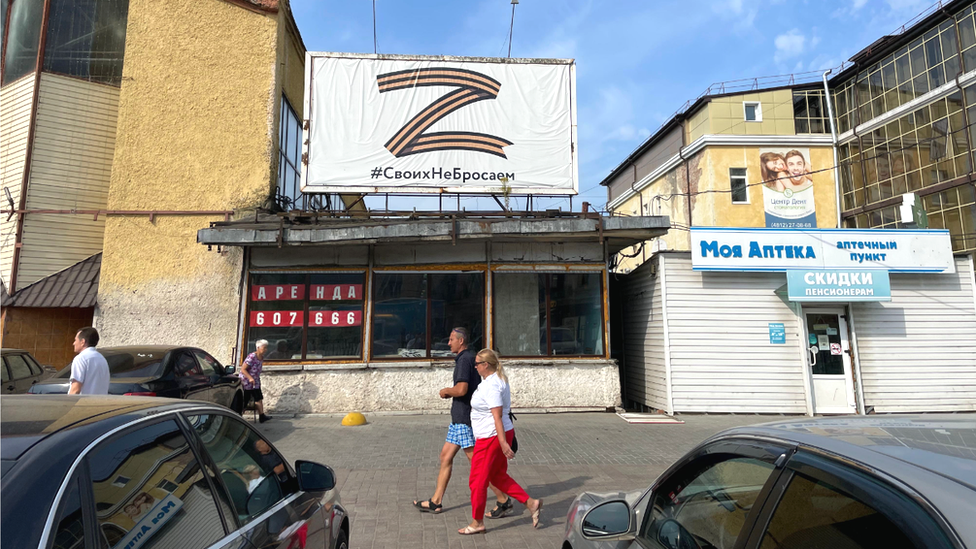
x: 739, y: 186
x: 548, y: 314
x: 86, y: 39
x: 414, y: 313
x: 335, y: 315
x: 306, y: 316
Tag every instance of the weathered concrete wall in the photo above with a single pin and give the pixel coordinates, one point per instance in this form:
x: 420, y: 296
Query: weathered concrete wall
x: 584, y: 384
x: 197, y: 128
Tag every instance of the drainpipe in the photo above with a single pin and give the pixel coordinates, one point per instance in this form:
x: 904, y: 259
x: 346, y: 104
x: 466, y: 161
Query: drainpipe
x: 833, y: 136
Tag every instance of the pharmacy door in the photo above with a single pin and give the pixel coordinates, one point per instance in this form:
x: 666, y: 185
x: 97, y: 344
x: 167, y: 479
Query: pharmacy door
x: 829, y: 358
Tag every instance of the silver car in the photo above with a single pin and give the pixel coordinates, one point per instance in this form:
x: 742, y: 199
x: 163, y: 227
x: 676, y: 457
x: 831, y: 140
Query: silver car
x: 833, y: 483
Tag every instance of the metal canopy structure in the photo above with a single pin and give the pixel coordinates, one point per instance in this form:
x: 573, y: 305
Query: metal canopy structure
x: 291, y: 230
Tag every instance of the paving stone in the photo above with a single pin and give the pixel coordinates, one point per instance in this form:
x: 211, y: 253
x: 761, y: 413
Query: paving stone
x: 384, y: 465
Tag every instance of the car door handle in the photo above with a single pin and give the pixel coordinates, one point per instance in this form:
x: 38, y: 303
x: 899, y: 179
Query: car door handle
x: 10, y: 388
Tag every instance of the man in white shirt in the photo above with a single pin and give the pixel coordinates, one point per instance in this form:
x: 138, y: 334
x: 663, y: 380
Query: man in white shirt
x: 89, y: 369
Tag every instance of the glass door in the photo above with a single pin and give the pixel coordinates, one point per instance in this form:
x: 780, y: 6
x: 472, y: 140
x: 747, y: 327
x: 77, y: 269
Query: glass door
x: 829, y: 359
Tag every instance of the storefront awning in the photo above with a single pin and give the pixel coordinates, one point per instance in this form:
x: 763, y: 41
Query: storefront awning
x: 618, y: 232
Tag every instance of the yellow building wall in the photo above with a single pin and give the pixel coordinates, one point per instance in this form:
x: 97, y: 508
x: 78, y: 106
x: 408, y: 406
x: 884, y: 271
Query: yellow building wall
x: 664, y: 196
x: 292, y: 54
x: 699, y: 124
x: 727, y: 114
x: 197, y: 130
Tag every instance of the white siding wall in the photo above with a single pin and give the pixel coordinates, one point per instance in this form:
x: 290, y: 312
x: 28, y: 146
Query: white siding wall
x: 71, y: 166
x: 15, y: 106
x: 918, y: 351
x: 643, y: 328
x: 721, y: 358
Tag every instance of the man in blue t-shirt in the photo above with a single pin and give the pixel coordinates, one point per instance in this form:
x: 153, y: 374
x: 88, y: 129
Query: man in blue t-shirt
x: 459, y: 433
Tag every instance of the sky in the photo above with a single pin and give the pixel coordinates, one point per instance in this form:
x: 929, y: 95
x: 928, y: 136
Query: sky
x: 637, y: 61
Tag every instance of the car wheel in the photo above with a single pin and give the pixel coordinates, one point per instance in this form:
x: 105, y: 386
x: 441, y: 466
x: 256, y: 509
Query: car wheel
x: 342, y: 540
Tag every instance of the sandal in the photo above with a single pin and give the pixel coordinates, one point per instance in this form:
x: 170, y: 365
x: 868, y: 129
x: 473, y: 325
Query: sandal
x: 431, y: 507
x: 537, y: 515
x: 501, y: 509
x: 468, y: 530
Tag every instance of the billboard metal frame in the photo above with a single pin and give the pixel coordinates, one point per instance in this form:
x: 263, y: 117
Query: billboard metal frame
x: 465, y: 190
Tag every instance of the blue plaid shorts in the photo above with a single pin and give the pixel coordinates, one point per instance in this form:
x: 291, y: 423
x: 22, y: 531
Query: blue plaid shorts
x: 460, y: 434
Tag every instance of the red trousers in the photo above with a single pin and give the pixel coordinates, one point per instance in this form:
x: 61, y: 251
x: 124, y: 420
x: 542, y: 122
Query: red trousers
x: 489, y: 465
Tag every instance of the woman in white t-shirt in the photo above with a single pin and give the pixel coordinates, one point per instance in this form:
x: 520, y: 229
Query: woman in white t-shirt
x: 493, y: 433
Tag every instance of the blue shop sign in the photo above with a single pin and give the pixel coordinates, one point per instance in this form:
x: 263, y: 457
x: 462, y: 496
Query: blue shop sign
x: 838, y: 285
x: 777, y: 333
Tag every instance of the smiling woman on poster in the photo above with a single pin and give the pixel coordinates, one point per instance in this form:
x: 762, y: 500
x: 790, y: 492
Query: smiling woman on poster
x: 788, y: 189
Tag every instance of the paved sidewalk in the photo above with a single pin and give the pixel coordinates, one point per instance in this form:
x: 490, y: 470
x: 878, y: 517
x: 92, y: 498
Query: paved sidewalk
x: 385, y: 465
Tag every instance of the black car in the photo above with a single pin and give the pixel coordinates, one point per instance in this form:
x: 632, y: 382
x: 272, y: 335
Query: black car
x: 20, y: 371
x: 164, y: 371
x: 142, y: 473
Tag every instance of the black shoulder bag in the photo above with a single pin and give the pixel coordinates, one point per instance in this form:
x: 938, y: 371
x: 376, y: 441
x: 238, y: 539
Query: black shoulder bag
x: 514, y: 444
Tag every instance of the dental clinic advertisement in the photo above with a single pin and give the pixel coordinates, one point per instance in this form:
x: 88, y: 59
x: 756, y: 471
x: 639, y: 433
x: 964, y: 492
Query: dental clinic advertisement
x: 788, y: 188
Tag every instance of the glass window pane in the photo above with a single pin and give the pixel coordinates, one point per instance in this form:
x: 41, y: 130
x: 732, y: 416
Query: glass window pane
x: 23, y: 39
x: 799, y: 104
x: 148, y: 485
x: 399, y: 315
x: 576, y: 311
x: 711, y: 502
x: 276, y: 312
x: 949, y: 46
x: 967, y: 34
x: 86, y: 39
x: 70, y: 530
x: 335, y: 315
x: 520, y: 314
x: 952, y: 67
x: 252, y: 472
x: 812, y: 510
x: 750, y: 112
x: 802, y: 125
x: 457, y: 300
x: 18, y: 367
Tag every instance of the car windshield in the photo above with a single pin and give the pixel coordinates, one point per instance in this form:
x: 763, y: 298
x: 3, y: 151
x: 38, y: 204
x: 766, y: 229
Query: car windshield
x: 129, y: 364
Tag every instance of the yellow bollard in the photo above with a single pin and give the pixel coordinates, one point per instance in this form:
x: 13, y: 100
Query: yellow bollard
x: 353, y: 419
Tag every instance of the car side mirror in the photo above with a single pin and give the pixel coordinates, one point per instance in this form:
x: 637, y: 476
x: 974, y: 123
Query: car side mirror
x: 673, y: 535
x: 609, y: 520
x: 314, y: 477
x: 229, y: 370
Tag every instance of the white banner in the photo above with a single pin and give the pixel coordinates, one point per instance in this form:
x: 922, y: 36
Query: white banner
x: 896, y: 250
x: 383, y: 123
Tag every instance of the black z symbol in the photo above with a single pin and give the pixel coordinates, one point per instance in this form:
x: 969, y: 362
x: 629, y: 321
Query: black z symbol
x: 472, y: 87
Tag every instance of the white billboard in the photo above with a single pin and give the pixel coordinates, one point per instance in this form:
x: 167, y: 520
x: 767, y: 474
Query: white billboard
x: 895, y: 250
x: 409, y: 124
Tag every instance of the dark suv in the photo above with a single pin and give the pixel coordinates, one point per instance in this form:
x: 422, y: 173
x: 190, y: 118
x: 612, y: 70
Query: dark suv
x: 107, y: 472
